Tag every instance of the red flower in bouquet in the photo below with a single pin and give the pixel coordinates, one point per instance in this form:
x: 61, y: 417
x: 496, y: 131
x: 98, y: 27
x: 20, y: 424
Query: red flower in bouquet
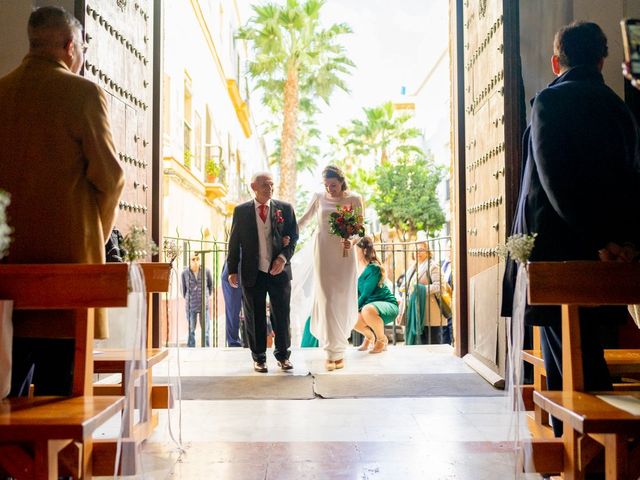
x: 346, y: 222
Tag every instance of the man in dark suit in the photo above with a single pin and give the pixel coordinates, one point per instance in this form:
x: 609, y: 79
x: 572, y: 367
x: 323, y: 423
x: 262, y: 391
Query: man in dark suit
x: 580, y: 189
x: 259, y: 229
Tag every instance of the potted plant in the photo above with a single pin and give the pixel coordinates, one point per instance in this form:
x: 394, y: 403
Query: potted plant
x: 212, y: 169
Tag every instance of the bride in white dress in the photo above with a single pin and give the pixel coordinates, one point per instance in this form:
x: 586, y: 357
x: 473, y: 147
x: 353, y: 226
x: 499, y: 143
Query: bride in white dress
x: 335, y: 295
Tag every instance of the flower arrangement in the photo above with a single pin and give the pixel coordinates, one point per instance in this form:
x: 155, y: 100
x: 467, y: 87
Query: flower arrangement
x: 519, y: 246
x: 171, y: 250
x: 279, y: 217
x: 346, y: 222
x: 5, y: 229
x: 136, y: 244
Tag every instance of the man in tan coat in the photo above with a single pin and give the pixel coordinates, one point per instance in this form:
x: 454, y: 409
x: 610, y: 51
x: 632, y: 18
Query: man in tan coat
x: 57, y: 157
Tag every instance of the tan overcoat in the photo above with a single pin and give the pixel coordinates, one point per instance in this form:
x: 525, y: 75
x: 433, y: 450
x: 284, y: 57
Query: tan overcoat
x: 58, y: 161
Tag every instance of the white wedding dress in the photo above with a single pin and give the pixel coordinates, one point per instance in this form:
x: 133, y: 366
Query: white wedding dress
x: 335, y: 293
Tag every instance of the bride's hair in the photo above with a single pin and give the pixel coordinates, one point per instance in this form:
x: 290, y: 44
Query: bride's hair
x: 331, y: 171
x: 370, y: 255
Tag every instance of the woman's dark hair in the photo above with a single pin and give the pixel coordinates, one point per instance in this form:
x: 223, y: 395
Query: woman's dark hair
x: 580, y: 43
x: 331, y: 171
x: 370, y: 255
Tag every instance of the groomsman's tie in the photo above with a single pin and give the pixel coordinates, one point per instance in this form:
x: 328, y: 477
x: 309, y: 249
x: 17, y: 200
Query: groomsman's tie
x: 263, y: 212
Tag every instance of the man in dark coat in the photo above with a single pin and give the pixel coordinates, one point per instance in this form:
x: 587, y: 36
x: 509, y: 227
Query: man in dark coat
x: 259, y: 229
x: 580, y: 188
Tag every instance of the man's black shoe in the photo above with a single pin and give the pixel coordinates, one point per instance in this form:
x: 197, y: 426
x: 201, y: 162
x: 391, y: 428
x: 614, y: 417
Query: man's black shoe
x: 285, y: 364
x: 260, y: 367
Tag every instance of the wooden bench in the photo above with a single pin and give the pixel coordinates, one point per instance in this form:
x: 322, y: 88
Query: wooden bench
x: 590, y: 424
x: 119, y: 361
x: 34, y: 430
x: 622, y: 363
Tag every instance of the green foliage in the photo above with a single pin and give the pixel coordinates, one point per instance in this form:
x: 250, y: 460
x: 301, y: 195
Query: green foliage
x: 212, y: 167
x: 308, y: 148
x: 188, y: 157
x: 382, y: 136
x: 406, y: 196
x: 295, y: 57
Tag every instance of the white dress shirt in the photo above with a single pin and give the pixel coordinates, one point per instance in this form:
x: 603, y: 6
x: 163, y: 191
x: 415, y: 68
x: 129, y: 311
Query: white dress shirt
x: 265, y: 249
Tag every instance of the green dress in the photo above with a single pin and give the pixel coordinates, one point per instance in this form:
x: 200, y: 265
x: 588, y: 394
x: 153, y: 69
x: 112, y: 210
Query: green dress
x: 415, y: 324
x: 370, y: 293
x: 308, y: 340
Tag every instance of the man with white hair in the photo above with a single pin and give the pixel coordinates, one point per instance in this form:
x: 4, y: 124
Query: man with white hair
x: 57, y: 159
x: 265, y: 231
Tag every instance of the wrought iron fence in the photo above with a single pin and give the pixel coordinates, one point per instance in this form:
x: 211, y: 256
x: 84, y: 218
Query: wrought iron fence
x: 407, y: 265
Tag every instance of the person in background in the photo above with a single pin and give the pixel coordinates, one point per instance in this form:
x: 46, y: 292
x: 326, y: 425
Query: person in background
x: 425, y: 322
x: 113, y: 247
x: 192, y: 292
x: 59, y: 163
x: 447, y: 283
x: 377, y: 305
x: 232, y: 306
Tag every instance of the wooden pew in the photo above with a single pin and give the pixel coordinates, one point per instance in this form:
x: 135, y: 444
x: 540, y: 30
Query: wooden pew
x: 34, y: 430
x: 623, y: 363
x: 590, y: 424
x: 118, y: 361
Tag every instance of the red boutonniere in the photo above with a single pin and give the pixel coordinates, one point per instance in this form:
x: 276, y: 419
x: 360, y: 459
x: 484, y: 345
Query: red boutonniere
x: 279, y: 217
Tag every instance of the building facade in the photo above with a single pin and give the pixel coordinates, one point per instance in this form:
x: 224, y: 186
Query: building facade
x: 209, y: 141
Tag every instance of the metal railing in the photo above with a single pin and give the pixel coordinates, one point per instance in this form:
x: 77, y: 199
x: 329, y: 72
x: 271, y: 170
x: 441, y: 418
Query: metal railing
x: 397, y: 258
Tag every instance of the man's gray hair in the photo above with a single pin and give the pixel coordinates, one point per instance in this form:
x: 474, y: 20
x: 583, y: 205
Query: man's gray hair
x: 257, y: 175
x: 51, y: 27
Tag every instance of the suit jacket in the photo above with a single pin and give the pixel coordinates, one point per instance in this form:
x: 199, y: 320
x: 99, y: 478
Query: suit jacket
x: 244, y: 237
x: 58, y: 161
x: 581, y: 178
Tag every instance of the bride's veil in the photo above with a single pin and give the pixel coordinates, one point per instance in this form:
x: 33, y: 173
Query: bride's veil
x: 302, y: 287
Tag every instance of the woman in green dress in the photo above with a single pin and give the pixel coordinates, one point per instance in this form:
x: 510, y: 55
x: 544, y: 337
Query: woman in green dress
x: 377, y: 306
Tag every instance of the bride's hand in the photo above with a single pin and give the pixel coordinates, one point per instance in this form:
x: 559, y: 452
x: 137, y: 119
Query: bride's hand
x: 285, y: 240
x: 346, y: 243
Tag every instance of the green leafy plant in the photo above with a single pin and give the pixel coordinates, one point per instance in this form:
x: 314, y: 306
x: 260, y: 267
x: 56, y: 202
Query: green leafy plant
x: 212, y: 168
x: 406, y: 196
x: 188, y: 157
x: 297, y: 62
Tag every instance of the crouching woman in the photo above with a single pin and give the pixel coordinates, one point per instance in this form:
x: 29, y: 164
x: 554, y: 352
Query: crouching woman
x: 377, y: 305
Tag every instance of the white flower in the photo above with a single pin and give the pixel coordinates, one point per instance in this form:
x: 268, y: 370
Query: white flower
x: 171, y: 250
x: 5, y: 229
x: 136, y: 245
x: 519, y: 246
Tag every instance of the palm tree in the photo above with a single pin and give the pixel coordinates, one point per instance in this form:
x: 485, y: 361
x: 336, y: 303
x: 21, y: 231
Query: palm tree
x: 381, y: 134
x: 295, y: 62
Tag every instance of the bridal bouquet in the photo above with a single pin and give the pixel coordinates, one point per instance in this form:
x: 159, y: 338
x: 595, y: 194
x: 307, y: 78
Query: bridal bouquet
x: 346, y: 222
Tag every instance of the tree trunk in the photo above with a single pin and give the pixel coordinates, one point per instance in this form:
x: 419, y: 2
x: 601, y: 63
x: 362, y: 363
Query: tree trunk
x: 288, y: 174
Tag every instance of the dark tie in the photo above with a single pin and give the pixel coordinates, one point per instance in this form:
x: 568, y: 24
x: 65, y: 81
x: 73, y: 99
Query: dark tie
x: 263, y: 212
